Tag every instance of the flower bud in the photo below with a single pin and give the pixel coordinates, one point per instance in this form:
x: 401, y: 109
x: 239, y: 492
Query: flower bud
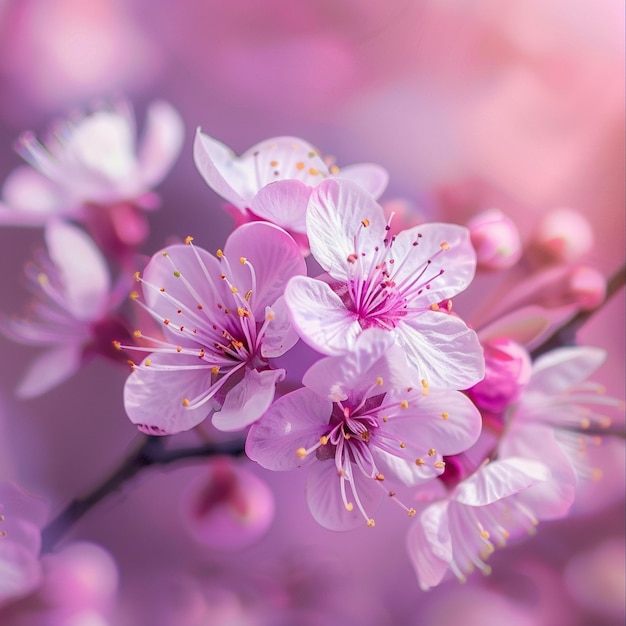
x: 562, y: 236
x: 507, y: 370
x: 228, y: 509
x: 495, y: 239
x: 587, y: 287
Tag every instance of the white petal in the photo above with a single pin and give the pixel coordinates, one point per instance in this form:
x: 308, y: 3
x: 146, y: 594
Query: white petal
x: 50, y: 369
x: 373, y: 178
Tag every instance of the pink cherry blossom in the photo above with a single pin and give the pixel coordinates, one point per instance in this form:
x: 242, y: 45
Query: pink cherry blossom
x: 73, y: 311
x: 273, y: 179
x: 459, y: 531
x: 391, y: 282
x: 224, y: 318
x: 21, y: 518
x: 361, y: 421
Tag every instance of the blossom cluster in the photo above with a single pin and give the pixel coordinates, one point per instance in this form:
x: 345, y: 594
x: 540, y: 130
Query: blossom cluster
x: 466, y: 422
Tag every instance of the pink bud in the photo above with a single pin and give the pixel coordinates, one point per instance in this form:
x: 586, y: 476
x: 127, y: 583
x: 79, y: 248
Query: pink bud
x: 562, y: 236
x: 495, y: 239
x: 507, y: 370
x: 587, y: 287
x: 228, y: 509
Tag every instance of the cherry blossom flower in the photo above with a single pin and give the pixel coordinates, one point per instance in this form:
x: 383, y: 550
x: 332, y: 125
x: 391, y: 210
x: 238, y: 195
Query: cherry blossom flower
x: 273, y: 179
x: 72, y: 315
x: 21, y: 518
x: 459, y: 531
x: 92, y: 166
x: 362, y: 421
x: 223, y: 319
x: 381, y: 281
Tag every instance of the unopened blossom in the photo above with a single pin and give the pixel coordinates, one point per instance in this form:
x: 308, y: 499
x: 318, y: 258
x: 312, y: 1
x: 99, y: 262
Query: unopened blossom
x: 458, y: 531
x: 72, y: 316
x: 273, y: 179
x: 395, y: 283
x: 223, y: 319
x: 91, y: 167
x: 363, y: 424
x: 21, y: 519
x: 495, y: 239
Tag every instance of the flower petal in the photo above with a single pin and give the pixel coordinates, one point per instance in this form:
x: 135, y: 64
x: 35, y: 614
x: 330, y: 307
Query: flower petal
x: 248, y: 399
x: 372, y: 177
x: 83, y: 270
x: 154, y: 394
x: 30, y: 198
x: 319, y: 316
x: 283, y: 203
x: 443, y: 350
x: 49, y: 369
x: 161, y: 142
x: 296, y: 420
x: 323, y: 495
x: 280, y: 335
x: 335, y: 217
x: 274, y: 256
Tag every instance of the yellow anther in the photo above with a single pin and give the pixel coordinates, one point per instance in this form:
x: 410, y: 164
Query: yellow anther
x: 424, y: 387
x: 445, y: 245
x: 179, y: 348
x: 136, y: 276
x: 117, y: 345
x: 371, y: 523
x: 186, y: 402
x: 300, y: 165
x: 484, y: 534
x: 242, y: 312
x: 379, y: 477
x: 439, y: 464
x: 137, y: 333
x: 164, y: 253
x: 42, y: 279
x: 313, y: 171
x: 419, y: 462
x: 434, y: 306
x: 234, y: 289
x: 220, y: 253
x: 301, y: 453
x: 323, y: 440
x: 445, y: 415
x: 188, y: 239
x: 274, y: 163
x: 431, y: 452
x: 349, y: 506
x: 404, y: 404
x: 176, y: 273
x: 411, y: 512
x: 248, y: 295
x: 243, y: 260
x: 215, y: 370
x: 402, y: 445
x: 270, y: 315
x: 133, y: 295
x: 365, y: 222
x: 334, y: 170
x: 148, y: 362
x: 379, y: 381
x: 385, y: 419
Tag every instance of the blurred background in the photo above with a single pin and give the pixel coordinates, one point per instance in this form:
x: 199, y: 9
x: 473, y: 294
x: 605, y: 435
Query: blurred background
x: 514, y: 104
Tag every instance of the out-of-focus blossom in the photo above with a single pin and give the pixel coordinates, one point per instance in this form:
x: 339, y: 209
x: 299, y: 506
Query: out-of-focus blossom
x: 228, y: 507
x: 90, y: 168
x: 273, y: 179
x: 362, y: 421
x: 72, y: 314
x: 495, y: 239
x: 458, y: 532
x: 21, y: 519
x: 223, y: 321
x: 562, y: 236
x: 391, y: 282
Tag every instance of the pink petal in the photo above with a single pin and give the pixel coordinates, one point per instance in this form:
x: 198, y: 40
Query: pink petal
x: 20, y: 571
x: 161, y: 143
x: 334, y: 217
x: 22, y: 505
x: 153, y: 397
x: 83, y: 270
x: 319, y: 316
x: 273, y: 254
x: 296, y: 420
x: 283, y: 203
x: 30, y: 197
x: 500, y: 479
x: 280, y: 335
x: 248, y: 399
x: 429, y: 545
x: 443, y: 350
x: 217, y: 165
x: 373, y: 178
x: 523, y: 326
x: 559, y: 370
x: 323, y: 496
x: 50, y: 369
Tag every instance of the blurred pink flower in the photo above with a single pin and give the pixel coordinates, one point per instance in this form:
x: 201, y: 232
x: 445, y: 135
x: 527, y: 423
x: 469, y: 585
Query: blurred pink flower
x: 21, y: 519
x: 495, y: 239
x: 362, y: 418
x: 223, y: 320
x: 395, y: 283
x: 72, y: 314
